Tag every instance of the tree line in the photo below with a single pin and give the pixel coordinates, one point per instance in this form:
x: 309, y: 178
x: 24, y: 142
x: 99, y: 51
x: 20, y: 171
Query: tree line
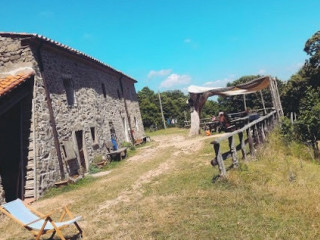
x: 301, y: 95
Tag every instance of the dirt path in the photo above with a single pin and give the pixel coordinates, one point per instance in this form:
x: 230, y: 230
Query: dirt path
x: 176, y: 144
x: 121, y: 188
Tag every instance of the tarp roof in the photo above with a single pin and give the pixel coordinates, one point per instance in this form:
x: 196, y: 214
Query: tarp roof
x: 246, y: 88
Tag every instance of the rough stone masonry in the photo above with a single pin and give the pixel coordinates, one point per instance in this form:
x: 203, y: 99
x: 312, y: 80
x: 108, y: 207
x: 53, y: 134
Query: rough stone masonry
x: 77, y: 103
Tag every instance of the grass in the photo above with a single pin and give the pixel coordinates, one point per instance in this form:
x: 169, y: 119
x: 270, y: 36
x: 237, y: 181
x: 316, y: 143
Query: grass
x: 274, y: 196
x: 167, y: 131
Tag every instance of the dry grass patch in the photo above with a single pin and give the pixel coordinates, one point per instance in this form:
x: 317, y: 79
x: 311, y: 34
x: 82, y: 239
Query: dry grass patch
x: 165, y: 191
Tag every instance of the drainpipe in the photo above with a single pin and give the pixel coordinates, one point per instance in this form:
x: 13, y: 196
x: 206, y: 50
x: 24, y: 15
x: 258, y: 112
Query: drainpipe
x: 126, y: 109
x: 52, y: 120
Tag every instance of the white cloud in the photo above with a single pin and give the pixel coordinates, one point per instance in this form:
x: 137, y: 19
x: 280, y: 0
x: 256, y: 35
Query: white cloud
x: 220, y: 82
x: 262, y: 71
x: 175, y: 79
x: 187, y: 40
x: 160, y: 73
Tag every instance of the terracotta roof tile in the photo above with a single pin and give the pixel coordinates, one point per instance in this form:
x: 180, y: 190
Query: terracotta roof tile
x: 9, y: 82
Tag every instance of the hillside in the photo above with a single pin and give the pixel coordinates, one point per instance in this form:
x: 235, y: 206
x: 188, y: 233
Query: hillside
x: 165, y: 191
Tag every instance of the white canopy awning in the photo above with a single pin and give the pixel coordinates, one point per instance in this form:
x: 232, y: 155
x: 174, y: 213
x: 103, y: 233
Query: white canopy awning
x: 246, y: 88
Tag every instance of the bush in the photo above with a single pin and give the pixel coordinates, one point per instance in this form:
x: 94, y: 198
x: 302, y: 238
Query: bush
x: 129, y: 145
x: 287, y: 130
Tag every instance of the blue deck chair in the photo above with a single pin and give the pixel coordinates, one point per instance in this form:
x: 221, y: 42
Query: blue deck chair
x: 37, y: 222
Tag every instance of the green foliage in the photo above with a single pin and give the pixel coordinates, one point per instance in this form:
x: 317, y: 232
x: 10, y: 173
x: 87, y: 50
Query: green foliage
x: 209, y: 109
x: 70, y: 187
x: 301, y: 95
x: 174, y: 104
x: 287, y: 130
x: 93, y: 168
x: 294, y: 91
x: 129, y: 145
x: 312, y: 48
x: 149, y: 107
x: 308, y: 125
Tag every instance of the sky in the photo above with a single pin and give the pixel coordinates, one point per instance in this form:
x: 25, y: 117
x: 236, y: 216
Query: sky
x: 172, y: 44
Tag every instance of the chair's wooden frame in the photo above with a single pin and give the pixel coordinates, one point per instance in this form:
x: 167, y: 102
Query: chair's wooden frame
x: 38, y: 233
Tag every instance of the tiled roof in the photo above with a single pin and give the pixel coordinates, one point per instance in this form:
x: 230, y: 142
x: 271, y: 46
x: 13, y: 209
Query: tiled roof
x: 8, y: 83
x: 65, y: 47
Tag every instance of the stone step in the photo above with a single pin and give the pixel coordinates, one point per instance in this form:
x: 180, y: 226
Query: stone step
x: 29, y: 194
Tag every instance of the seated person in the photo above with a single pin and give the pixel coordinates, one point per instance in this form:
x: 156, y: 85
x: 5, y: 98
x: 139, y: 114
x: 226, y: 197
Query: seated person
x: 224, y: 121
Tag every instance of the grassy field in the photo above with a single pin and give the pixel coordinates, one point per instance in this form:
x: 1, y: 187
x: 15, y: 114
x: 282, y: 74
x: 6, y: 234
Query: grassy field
x: 165, y: 191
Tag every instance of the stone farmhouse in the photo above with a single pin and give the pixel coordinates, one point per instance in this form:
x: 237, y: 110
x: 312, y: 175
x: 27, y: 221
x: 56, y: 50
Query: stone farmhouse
x: 58, y: 109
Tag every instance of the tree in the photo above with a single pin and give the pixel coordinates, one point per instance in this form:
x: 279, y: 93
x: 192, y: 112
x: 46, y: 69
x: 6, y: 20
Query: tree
x: 210, y: 108
x: 312, y: 48
x: 149, y: 107
x: 174, y: 104
x: 301, y: 95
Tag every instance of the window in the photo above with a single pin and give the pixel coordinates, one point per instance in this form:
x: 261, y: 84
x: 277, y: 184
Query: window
x: 136, y: 123
x: 93, y: 134
x: 68, y: 85
x: 104, y: 90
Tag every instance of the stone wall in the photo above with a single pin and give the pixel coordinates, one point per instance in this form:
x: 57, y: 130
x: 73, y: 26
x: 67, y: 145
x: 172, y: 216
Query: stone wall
x: 93, y: 108
x: 131, y: 99
x: 14, y: 56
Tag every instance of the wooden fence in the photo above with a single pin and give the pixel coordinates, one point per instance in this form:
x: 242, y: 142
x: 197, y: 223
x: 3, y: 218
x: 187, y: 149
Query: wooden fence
x: 256, y: 132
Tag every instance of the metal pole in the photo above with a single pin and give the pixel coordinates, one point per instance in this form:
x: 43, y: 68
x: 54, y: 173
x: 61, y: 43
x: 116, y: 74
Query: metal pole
x: 164, y: 122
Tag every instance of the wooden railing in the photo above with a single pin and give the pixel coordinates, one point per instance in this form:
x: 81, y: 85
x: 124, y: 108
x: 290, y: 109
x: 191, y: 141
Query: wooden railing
x: 256, y: 132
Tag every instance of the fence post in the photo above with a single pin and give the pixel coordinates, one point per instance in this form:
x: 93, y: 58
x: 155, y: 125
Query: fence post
x: 250, y: 140
x: 256, y: 135
x: 266, y: 130
x: 220, y: 162
x: 243, y: 145
x: 262, y: 134
x: 233, y: 151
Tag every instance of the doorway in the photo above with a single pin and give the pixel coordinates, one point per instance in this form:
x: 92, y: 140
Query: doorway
x: 79, y: 137
x: 14, y: 139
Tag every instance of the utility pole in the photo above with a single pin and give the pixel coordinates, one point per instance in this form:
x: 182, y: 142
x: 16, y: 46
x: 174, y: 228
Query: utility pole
x: 164, y: 121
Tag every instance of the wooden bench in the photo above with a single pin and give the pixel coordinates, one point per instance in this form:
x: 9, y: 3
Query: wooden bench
x: 118, y: 154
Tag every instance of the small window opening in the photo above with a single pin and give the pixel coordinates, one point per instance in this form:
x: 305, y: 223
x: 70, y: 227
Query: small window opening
x: 136, y: 123
x: 119, y: 96
x: 93, y: 134
x: 104, y: 90
x: 68, y: 85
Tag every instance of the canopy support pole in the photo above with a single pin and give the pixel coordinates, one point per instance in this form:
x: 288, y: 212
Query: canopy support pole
x: 244, y: 102
x: 196, y: 102
x: 264, y: 106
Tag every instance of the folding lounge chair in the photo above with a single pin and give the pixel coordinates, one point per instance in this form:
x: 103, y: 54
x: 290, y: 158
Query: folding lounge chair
x: 37, y: 222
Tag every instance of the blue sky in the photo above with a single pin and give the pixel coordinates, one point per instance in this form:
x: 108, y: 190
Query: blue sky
x: 171, y: 44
